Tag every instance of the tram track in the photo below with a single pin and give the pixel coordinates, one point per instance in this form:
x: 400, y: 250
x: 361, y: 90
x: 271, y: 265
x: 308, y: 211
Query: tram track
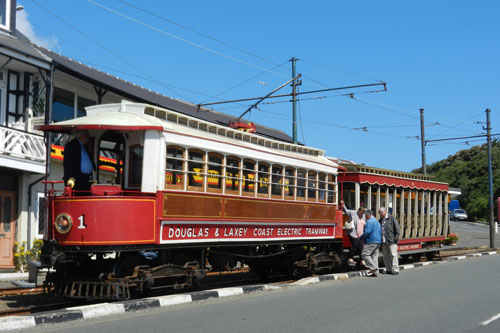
x: 213, y: 280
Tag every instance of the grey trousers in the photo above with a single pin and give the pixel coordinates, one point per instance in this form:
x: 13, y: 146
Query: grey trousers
x: 370, y: 255
x: 390, y: 252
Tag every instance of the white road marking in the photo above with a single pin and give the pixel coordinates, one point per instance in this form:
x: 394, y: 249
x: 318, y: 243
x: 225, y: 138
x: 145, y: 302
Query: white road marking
x: 486, y: 322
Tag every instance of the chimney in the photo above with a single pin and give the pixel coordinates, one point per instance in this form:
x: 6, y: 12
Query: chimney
x: 13, y: 9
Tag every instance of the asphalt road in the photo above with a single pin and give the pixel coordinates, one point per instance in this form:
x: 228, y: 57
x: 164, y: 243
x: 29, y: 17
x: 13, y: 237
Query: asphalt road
x: 473, y: 233
x: 451, y: 297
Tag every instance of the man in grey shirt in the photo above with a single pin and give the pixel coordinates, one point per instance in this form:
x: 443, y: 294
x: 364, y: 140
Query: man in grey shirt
x: 390, y: 238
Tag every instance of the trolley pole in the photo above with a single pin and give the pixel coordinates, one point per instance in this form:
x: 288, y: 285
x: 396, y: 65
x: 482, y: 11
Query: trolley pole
x: 294, y: 101
x: 490, y: 181
x: 422, y: 141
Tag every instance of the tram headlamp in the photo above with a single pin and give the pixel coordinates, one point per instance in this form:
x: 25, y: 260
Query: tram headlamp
x: 63, y: 223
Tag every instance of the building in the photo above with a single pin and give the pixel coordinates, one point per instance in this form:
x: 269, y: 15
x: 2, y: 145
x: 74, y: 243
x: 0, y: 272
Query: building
x: 39, y: 86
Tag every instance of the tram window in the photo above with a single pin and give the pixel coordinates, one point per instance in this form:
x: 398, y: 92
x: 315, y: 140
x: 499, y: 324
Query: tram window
x: 111, y: 151
x: 232, y: 173
x: 277, y: 180
x: 374, y: 198
x: 214, y: 173
x: 301, y: 184
x: 311, y: 186
x: 263, y: 177
x: 135, y: 163
x: 174, y: 175
x: 331, y: 189
x: 322, y: 187
x: 348, y: 195
x: 248, y: 181
x: 195, y: 169
x: 363, y: 195
x: 289, y: 183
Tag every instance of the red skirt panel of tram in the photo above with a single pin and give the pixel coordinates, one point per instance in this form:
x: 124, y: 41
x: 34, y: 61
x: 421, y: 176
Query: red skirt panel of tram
x: 108, y: 220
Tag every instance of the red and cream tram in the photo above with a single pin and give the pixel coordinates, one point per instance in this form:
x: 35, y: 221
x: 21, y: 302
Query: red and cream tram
x: 174, y: 196
x: 419, y: 204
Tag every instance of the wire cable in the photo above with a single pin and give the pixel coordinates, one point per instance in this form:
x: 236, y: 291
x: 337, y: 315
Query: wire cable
x: 342, y: 71
x: 242, y: 83
x: 99, y: 44
x: 163, y: 32
x: 455, y: 126
x: 199, y: 33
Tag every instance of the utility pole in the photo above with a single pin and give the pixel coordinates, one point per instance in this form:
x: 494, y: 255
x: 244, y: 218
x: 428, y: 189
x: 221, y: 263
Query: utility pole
x: 490, y: 181
x: 422, y: 141
x: 294, y: 101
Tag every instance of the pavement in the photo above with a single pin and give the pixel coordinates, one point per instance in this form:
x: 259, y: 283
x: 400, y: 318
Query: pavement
x: 107, y: 309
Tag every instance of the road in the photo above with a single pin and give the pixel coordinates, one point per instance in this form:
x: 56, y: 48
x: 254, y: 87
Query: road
x: 473, y: 234
x: 451, y: 297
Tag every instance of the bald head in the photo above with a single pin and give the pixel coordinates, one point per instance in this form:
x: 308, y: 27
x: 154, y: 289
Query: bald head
x: 382, y: 211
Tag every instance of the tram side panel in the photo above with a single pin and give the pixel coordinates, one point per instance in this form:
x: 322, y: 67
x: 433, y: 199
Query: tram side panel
x: 206, y: 218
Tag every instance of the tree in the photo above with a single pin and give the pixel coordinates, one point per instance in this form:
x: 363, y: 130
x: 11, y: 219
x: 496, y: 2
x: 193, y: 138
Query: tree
x: 468, y: 170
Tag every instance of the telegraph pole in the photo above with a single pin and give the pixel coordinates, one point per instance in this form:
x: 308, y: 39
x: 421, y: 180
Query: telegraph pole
x: 490, y: 181
x: 422, y: 141
x: 294, y: 101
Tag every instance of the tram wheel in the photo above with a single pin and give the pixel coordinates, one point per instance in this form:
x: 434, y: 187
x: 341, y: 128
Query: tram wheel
x: 430, y: 255
x: 262, y: 271
x: 125, y: 265
x: 416, y: 257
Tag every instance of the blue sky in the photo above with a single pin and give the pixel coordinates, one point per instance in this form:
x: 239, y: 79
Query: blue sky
x: 442, y: 56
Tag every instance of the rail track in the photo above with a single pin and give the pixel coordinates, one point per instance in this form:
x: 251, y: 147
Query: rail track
x: 20, y: 291
x: 212, y: 280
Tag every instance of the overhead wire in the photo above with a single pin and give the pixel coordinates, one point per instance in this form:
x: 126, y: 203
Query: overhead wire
x: 199, y: 33
x: 341, y: 71
x: 98, y: 43
x: 365, y: 129
x: 408, y: 113
x: 447, y: 130
x: 210, y: 50
x: 231, y: 45
x: 171, y: 35
x: 242, y: 83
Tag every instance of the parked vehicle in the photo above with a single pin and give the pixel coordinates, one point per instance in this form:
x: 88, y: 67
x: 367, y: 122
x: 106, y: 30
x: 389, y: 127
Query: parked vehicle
x: 458, y: 214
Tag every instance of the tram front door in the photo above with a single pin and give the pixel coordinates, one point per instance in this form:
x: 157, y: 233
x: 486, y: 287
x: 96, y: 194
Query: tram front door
x: 7, y: 228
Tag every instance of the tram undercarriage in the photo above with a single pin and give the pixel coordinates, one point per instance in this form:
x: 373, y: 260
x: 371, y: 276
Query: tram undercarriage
x: 126, y: 274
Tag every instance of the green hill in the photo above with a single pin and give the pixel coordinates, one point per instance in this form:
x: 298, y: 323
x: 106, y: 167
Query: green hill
x: 468, y: 170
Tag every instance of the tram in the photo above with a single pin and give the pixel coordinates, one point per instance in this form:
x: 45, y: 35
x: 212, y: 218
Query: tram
x: 419, y: 204
x: 174, y: 196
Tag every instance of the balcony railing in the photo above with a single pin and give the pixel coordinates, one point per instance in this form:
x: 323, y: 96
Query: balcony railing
x: 20, y: 144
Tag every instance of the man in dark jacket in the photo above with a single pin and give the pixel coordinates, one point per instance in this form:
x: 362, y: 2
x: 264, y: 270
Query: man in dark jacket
x: 77, y: 163
x: 390, y: 239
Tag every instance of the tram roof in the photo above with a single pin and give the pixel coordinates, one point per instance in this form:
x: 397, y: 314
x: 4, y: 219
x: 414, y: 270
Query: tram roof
x: 143, y: 95
x: 377, y: 176
x: 128, y: 116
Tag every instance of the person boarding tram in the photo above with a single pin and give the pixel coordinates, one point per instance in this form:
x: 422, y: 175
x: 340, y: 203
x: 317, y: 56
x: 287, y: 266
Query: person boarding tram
x: 358, y: 219
x: 372, y: 238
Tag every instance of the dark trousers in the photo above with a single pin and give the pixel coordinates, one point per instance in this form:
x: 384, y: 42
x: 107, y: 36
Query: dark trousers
x: 356, y: 247
x: 82, y: 184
